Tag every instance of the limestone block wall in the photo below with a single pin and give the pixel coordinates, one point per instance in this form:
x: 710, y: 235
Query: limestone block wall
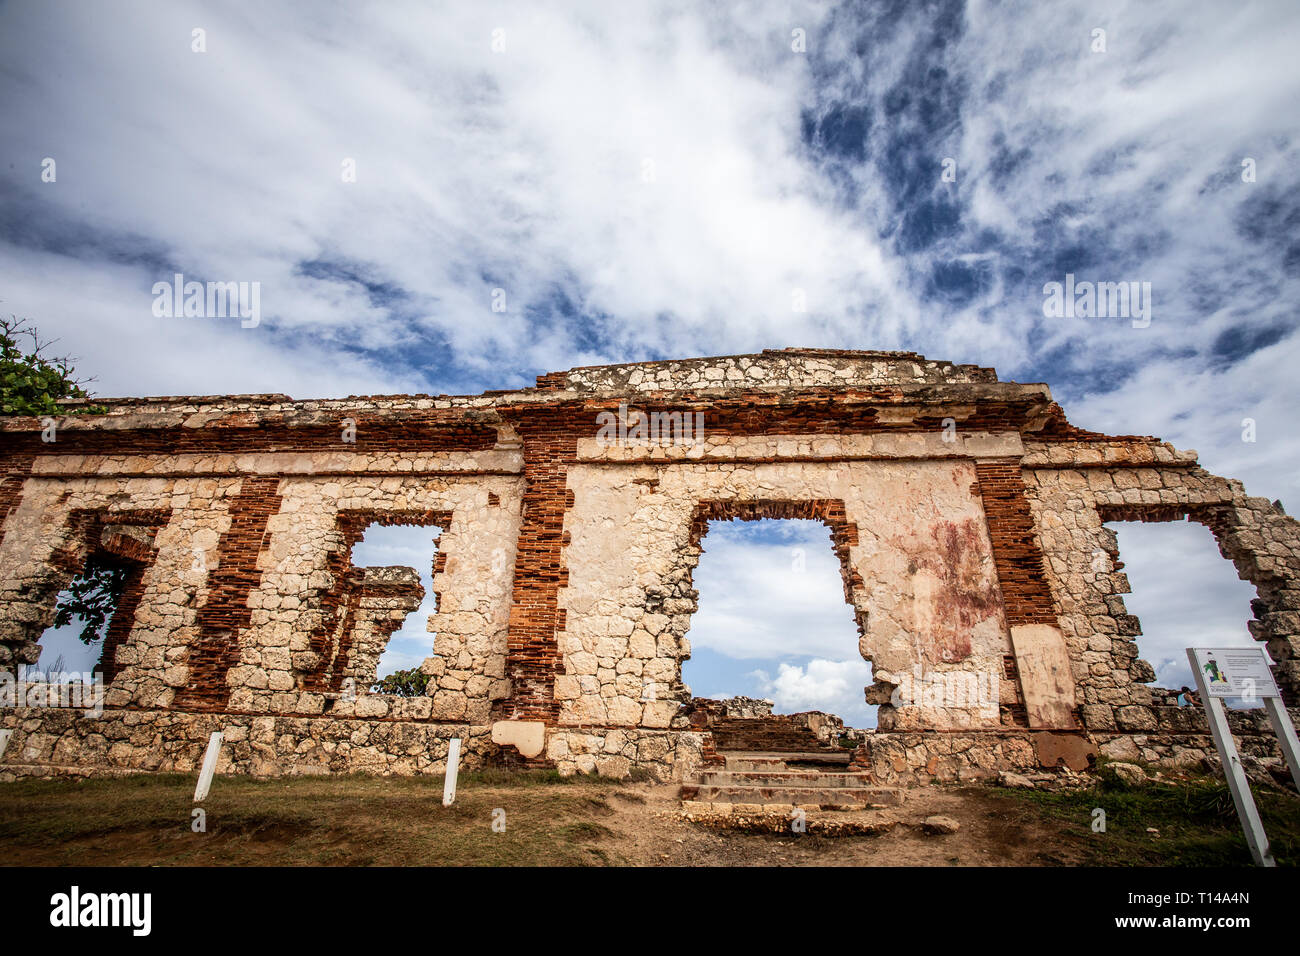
x: 239, y: 574
x: 48, y: 742
x: 924, y: 586
x: 1074, y: 492
x: 48, y: 537
x: 46, y: 543
x: 299, y: 610
x: 969, y: 518
x: 615, y: 752
x: 795, y: 368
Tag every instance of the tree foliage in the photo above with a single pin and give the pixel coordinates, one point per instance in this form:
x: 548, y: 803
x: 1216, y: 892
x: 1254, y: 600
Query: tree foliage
x: 92, y: 596
x: 31, y: 381
x: 407, y: 683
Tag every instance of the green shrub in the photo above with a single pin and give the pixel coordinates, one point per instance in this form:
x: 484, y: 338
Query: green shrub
x: 407, y: 683
x: 32, y: 383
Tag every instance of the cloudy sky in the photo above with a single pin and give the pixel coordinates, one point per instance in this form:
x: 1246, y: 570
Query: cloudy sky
x: 654, y: 180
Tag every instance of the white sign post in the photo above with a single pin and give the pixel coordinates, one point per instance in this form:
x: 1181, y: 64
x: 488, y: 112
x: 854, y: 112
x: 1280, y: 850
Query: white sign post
x: 209, y: 767
x: 453, y: 767
x: 4, y: 741
x: 1285, y: 730
x: 1242, y: 672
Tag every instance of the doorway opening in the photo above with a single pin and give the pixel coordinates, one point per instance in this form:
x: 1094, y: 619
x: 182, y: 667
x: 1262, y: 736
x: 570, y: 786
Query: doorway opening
x: 92, y: 617
x: 1184, y: 593
x: 773, y: 624
x: 397, y: 548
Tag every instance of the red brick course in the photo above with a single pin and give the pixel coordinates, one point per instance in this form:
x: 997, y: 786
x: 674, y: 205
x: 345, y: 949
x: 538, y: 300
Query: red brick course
x: 226, y: 612
x: 1019, y: 560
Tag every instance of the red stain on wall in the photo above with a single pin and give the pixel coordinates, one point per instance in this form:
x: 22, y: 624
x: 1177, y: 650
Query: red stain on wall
x: 965, y: 595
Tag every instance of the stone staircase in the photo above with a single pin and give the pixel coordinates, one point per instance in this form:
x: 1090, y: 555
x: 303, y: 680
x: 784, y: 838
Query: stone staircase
x: 775, y: 734
x: 818, y: 779
x: 763, y: 760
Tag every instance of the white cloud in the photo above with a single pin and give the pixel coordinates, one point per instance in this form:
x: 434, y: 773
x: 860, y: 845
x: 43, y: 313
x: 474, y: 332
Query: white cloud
x: 1185, y: 594
x: 523, y: 169
x: 771, y: 589
x: 832, y: 687
x: 1204, y: 410
x: 520, y: 169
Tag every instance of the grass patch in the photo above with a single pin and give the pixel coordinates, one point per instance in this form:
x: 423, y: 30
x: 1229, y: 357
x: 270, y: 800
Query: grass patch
x: 351, y: 820
x: 1195, y: 820
x: 502, y: 777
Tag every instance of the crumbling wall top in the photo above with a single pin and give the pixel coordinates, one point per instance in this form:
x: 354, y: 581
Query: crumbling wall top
x: 776, y: 373
x: 771, y: 369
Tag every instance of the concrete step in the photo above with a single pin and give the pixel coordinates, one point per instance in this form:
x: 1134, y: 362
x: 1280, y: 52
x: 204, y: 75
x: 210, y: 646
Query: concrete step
x: 747, y: 762
x: 781, y: 761
x: 764, y: 744
x: 780, y: 777
x: 827, y: 797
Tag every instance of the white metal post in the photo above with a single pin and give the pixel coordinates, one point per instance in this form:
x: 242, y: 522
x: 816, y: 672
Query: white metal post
x: 453, y: 768
x: 1247, y: 813
x: 209, y: 767
x: 4, y: 741
x: 1286, y: 738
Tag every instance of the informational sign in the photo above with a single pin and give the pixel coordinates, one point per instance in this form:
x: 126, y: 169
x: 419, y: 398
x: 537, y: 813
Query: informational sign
x: 1241, y: 672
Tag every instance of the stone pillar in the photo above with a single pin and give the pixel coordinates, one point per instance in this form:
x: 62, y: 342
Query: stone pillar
x: 1042, y: 660
x: 226, y: 612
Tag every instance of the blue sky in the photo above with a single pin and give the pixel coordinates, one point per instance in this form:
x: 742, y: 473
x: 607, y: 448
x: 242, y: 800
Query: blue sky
x: 659, y: 180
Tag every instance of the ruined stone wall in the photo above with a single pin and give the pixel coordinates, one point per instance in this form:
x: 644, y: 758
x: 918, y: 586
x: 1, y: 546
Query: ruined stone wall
x: 801, y: 368
x: 967, y: 514
x: 48, y: 537
x: 742, y: 707
x: 249, y: 605
x: 297, y: 609
x: 1075, y: 491
x: 924, y: 587
x: 50, y: 741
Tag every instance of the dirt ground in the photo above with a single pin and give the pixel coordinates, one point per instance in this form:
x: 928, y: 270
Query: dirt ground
x: 995, y: 830
x: 359, y: 821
